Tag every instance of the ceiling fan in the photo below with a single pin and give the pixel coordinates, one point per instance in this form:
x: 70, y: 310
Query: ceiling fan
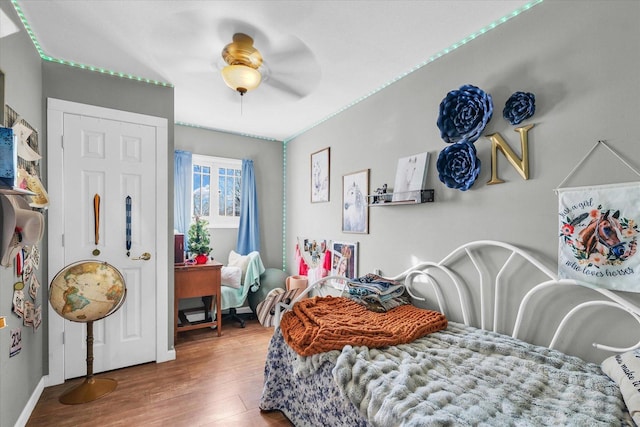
x: 243, y: 63
x: 284, y: 64
x: 289, y: 70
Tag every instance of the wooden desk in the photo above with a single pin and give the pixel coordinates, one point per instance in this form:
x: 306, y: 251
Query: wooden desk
x: 198, y: 280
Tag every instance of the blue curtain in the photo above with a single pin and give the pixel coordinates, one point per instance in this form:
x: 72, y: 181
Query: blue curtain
x: 249, y: 230
x: 182, y: 191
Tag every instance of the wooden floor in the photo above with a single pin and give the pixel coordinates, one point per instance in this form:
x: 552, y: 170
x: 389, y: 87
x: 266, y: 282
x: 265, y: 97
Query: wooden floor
x: 214, y: 381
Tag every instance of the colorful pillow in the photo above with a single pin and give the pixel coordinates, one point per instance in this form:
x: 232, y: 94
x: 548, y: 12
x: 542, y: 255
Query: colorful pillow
x: 624, y: 369
x: 237, y: 260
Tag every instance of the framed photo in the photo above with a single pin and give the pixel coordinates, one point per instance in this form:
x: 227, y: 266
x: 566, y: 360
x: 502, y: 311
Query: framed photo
x: 320, y: 164
x: 344, y: 261
x: 355, y: 209
x: 411, y: 176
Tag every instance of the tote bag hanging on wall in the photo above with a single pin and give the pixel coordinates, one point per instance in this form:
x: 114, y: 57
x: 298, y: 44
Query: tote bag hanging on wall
x: 598, y: 228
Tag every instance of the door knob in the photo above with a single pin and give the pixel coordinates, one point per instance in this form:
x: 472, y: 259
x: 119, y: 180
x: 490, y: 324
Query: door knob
x: 146, y: 256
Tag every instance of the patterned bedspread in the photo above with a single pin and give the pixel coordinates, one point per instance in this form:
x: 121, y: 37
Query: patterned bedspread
x: 459, y: 376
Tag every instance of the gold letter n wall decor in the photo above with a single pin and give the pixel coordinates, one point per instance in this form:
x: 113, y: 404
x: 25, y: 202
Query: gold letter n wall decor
x: 521, y: 165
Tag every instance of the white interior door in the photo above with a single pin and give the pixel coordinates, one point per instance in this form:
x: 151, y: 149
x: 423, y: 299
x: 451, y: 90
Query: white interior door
x: 73, y: 180
x: 113, y: 160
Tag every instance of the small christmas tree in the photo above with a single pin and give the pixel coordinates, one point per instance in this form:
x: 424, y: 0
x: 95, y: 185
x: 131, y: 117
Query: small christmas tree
x: 198, y: 243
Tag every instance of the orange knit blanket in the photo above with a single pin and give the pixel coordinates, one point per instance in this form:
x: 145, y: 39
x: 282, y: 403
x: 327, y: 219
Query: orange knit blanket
x: 320, y: 324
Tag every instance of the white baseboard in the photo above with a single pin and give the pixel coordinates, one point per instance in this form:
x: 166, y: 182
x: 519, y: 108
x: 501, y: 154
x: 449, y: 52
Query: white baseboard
x: 166, y: 357
x: 31, y: 404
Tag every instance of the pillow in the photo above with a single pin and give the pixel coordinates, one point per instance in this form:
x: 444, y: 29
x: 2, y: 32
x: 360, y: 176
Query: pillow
x: 624, y: 369
x: 231, y: 276
x: 237, y: 260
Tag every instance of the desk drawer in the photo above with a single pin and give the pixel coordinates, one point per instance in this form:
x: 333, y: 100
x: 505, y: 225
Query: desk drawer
x: 196, y: 283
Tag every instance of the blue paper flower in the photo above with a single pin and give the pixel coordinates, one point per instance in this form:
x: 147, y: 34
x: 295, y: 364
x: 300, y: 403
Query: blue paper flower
x: 464, y: 113
x: 458, y: 166
x: 519, y: 107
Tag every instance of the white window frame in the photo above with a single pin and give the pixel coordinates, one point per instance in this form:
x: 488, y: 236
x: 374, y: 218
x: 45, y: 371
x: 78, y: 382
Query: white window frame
x: 214, y: 163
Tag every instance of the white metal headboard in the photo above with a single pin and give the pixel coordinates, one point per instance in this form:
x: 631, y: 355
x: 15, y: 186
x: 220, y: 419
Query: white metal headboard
x: 424, y: 271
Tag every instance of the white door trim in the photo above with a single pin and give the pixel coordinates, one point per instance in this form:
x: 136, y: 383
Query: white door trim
x: 56, y: 109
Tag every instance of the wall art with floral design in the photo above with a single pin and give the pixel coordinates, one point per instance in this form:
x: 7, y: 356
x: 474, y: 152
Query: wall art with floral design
x: 598, y: 235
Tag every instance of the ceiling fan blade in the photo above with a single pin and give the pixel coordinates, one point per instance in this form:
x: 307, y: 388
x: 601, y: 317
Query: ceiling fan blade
x: 295, y: 87
x: 289, y: 47
x: 287, y: 88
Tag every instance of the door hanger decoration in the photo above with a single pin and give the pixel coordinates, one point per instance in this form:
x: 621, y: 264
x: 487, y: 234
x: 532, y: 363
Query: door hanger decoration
x: 96, y: 223
x: 127, y: 203
x: 598, y: 231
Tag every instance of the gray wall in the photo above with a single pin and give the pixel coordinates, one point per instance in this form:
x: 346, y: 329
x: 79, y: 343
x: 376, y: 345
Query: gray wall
x: 267, y: 160
x: 580, y: 59
x: 20, y: 375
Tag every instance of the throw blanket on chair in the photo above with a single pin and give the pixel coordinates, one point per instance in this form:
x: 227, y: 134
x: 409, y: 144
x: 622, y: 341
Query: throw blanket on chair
x: 320, y: 324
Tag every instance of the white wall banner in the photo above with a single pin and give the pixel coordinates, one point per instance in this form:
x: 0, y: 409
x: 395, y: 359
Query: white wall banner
x: 599, y: 235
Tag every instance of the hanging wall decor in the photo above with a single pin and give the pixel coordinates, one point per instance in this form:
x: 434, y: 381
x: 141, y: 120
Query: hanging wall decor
x: 96, y: 224
x: 355, y: 210
x: 599, y: 235
x: 127, y: 219
x: 464, y: 114
x: 458, y: 166
x: 598, y: 232
x: 16, y: 342
x: 320, y: 167
x: 519, y: 107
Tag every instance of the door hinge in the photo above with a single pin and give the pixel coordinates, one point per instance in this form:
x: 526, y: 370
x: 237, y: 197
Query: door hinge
x: 63, y: 240
x: 63, y: 335
x: 62, y: 141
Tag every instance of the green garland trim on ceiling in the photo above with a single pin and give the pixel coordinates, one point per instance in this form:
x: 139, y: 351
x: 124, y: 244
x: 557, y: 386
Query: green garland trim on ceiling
x: 48, y: 58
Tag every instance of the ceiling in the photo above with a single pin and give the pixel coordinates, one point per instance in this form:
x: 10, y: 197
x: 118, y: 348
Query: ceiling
x: 320, y: 57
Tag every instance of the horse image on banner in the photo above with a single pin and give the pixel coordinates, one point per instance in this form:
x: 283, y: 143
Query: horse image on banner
x: 599, y: 235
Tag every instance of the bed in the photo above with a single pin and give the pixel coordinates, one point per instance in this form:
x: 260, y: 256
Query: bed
x: 519, y: 347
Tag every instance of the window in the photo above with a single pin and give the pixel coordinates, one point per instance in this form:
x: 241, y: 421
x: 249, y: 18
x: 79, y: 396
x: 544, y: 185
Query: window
x: 216, y: 190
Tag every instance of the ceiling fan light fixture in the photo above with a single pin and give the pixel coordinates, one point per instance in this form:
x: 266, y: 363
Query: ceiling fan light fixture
x: 241, y: 78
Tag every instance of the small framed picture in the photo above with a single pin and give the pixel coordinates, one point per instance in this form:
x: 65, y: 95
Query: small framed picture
x: 320, y: 164
x: 355, y: 209
x: 344, y: 260
x: 411, y: 176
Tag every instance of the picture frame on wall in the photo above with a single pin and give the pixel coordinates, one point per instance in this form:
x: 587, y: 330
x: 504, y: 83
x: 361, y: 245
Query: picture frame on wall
x: 320, y: 168
x: 411, y: 176
x: 355, y: 209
